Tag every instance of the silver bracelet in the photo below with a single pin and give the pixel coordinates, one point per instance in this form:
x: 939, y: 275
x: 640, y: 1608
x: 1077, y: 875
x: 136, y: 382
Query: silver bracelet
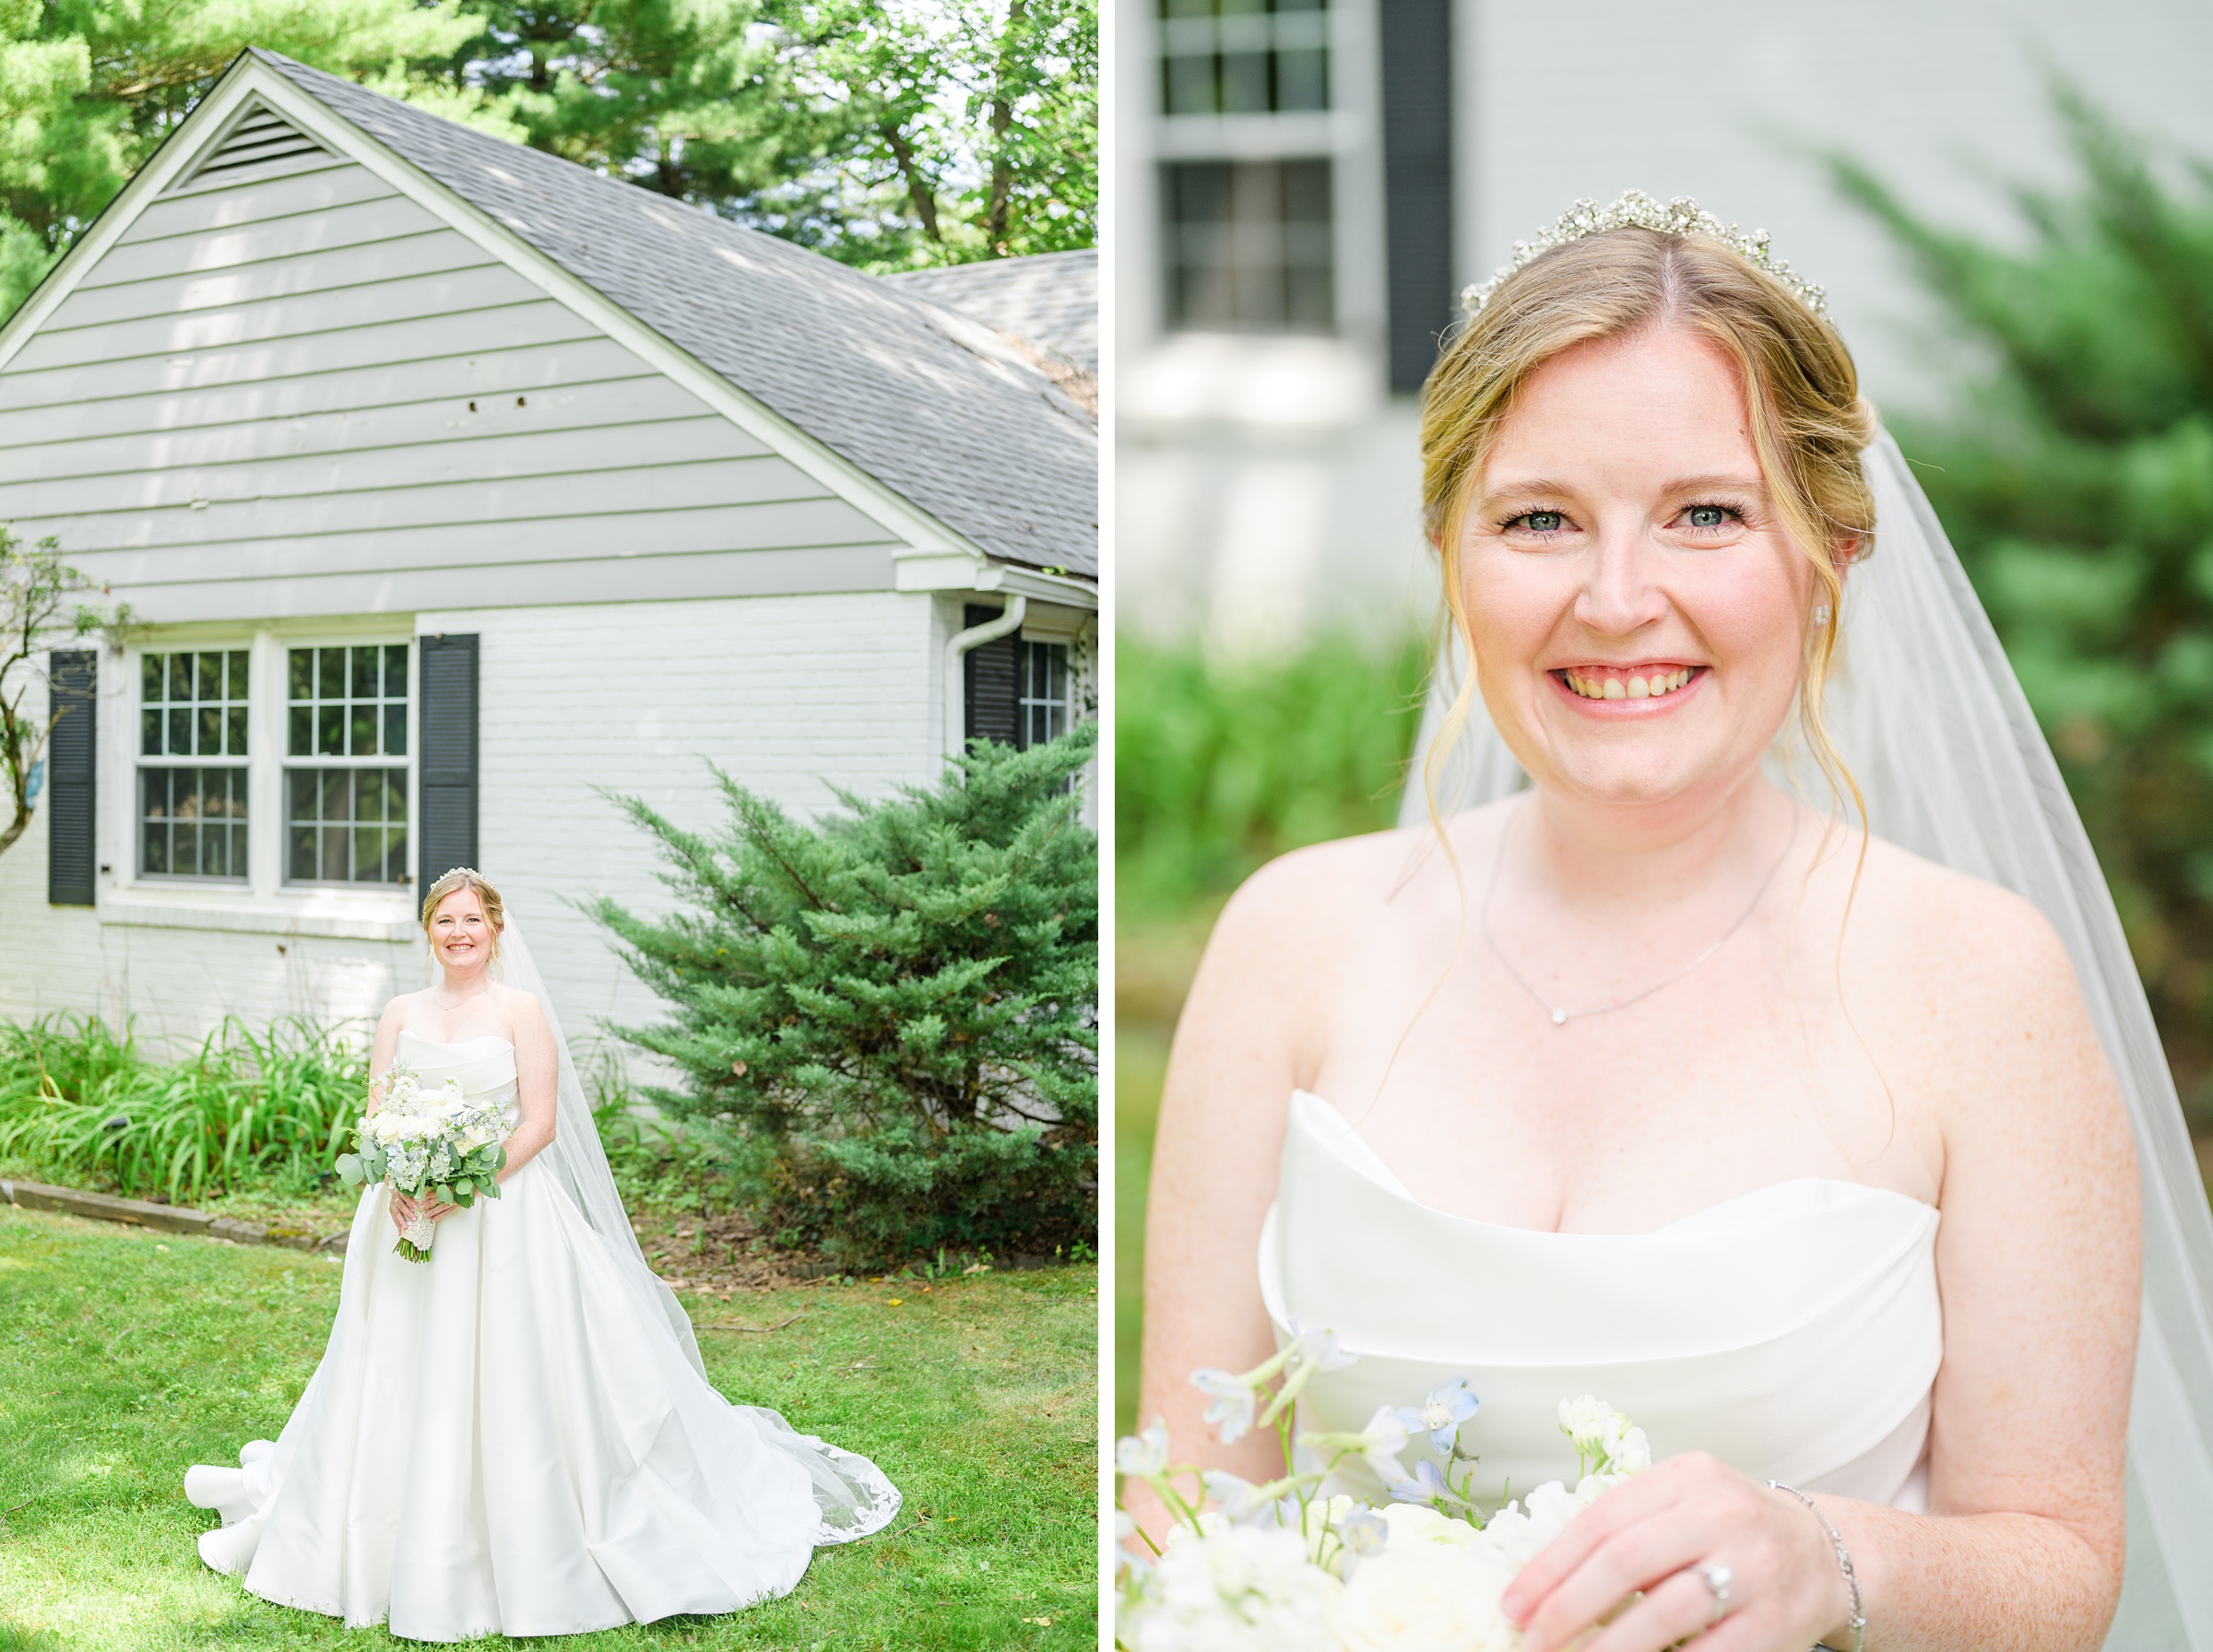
x: 1857, y: 1622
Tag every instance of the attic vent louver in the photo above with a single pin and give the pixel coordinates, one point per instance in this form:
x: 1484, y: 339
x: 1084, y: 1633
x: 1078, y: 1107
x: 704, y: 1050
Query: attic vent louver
x: 254, y: 144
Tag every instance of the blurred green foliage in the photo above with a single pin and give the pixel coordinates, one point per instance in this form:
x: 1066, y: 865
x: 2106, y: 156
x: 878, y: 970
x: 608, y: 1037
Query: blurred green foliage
x: 2075, y: 474
x: 1219, y: 767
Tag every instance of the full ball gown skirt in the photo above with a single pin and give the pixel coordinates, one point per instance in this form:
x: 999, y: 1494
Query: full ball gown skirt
x: 510, y: 1438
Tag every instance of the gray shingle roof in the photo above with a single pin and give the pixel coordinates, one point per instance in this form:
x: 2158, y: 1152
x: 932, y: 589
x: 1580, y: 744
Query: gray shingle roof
x: 1050, y: 299
x: 922, y: 398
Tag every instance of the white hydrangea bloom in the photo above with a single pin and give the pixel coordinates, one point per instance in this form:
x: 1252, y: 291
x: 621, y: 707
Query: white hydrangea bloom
x: 1440, y: 1597
x: 1238, y: 1589
x: 1419, y: 1523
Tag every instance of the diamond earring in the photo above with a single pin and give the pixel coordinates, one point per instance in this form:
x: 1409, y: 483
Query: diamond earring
x: 1821, y: 613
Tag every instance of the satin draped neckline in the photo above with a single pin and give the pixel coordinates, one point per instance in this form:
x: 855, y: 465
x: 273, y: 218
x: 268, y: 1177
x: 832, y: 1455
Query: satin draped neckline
x: 1337, y: 1133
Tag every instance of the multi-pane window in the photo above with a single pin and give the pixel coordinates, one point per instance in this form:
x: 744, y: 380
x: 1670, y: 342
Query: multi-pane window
x: 346, y: 799
x: 1041, y: 706
x: 1249, y: 245
x: 192, y: 771
x: 1244, y: 56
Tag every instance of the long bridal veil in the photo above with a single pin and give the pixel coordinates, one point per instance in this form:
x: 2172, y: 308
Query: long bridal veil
x: 1926, y: 713
x: 851, y: 1493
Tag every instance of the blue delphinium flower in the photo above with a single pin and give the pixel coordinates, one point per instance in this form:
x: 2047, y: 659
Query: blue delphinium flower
x: 1429, y: 1488
x: 1234, y: 1397
x: 1442, y: 1413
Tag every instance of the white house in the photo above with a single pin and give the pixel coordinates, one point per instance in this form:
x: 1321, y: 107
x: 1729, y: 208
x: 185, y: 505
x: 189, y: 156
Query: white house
x: 1305, y: 185
x: 448, y: 482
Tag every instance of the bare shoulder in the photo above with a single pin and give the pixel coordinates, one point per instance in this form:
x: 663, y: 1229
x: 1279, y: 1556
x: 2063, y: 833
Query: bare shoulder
x: 523, y: 1010
x: 1963, y: 938
x: 1974, y: 988
x: 1318, y: 898
x: 396, y: 1010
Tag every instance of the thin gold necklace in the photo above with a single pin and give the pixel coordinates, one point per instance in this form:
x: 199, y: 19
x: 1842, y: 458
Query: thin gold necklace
x: 1560, y: 1014
x: 466, y: 996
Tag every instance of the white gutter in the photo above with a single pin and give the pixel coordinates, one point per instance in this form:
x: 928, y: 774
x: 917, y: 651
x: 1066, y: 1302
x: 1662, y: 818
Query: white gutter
x: 957, y: 649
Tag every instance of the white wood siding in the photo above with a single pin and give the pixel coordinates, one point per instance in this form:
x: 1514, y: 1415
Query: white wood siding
x: 301, y: 393
x: 791, y: 695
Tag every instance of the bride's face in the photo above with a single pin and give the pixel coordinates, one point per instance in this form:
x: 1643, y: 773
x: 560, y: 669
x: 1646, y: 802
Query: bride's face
x: 1638, y: 611
x: 461, y: 935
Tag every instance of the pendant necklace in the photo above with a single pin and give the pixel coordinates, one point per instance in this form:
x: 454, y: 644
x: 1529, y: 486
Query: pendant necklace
x: 1559, y: 1013
x: 481, y: 991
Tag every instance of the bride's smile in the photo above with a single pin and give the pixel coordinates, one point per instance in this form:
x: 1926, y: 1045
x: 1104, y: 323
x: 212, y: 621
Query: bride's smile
x: 1637, y: 612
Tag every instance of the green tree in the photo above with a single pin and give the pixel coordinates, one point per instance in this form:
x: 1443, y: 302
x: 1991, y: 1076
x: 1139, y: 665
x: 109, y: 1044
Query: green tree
x: 688, y: 97
x: 2076, y: 477
x: 88, y: 90
x: 40, y: 599
x: 968, y: 128
x: 888, y: 1020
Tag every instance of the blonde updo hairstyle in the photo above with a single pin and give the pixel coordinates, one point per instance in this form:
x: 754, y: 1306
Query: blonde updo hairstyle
x: 1809, y: 422
x: 459, y: 878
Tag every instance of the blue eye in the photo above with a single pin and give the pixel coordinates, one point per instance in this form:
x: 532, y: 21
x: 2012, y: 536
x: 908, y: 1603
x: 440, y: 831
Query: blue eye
x: 1544, y: 522
x: 1708, y: 516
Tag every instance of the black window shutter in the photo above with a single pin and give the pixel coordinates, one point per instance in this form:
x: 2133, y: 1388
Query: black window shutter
x: 72, y: 762
x: 991, y: 678
x: 1417, y: 183
x: 446, y: 676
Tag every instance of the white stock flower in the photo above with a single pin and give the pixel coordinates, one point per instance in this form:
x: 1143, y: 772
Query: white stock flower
x: 1517, y: 1531
x: 1436, y: 1597
x: 1243, y: 1590
x: 1626, y: 1449
x: 1585, y: 1421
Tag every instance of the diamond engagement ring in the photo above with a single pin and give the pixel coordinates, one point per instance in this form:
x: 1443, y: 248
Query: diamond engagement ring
x: 1717, y: 1578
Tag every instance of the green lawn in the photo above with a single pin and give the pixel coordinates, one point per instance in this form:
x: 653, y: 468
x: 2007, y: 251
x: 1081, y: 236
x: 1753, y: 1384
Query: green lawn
x: 126, y: 1356
x: 1140, y: 1059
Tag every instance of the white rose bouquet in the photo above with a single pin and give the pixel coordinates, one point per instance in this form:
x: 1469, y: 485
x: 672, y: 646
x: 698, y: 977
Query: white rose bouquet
x: 1281, y: 1568
x: 433, y: 1142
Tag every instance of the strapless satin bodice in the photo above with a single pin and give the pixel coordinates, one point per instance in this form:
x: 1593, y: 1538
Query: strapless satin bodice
x: 1794, y: 1331
x: 485, y: 1067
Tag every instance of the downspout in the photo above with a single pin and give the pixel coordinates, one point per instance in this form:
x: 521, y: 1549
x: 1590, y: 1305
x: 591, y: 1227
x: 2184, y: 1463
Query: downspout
x: 956, y: 649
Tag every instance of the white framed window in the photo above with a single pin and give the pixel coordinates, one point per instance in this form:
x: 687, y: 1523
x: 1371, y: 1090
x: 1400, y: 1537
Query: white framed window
x: 193, y: 820
x: 1042, y: 703
x: 346, y: 763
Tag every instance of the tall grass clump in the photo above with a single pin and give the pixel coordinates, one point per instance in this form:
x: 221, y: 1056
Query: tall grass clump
x: 271, y: 1112
x: 1221, y: 766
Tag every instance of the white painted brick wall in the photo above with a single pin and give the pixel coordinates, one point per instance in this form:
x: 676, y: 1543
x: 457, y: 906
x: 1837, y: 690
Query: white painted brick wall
x: 791, y: 695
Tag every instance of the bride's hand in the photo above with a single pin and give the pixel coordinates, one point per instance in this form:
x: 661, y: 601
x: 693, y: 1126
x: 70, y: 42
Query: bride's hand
x: 405, y: 1210
x: 1784, y: 1586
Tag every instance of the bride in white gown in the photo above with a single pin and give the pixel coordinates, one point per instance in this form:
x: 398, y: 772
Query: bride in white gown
x: 1654, y: 1082
x: 518, y: 1436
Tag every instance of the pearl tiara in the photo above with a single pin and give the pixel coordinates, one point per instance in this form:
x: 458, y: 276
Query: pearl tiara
x: 1636, y: 209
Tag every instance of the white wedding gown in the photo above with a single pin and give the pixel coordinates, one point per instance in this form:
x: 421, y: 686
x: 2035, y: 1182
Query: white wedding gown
x: 1793, y: 1331
x: 510, y: 1439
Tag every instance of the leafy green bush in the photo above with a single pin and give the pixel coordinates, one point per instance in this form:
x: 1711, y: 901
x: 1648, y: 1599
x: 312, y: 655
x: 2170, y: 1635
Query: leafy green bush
x: 888, y: 1020
x: 2076, y: 478
x: 80, y: 1101
x: 1218, y: 768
